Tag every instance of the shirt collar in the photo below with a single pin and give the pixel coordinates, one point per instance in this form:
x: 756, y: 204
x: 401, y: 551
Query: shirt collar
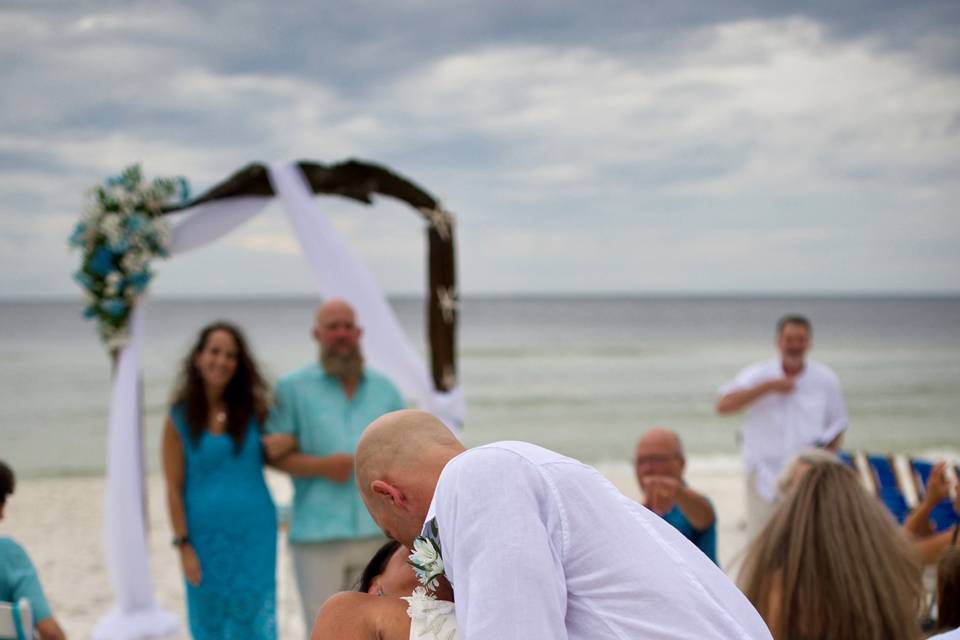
x: 432, y: 511
x: 431, y: 514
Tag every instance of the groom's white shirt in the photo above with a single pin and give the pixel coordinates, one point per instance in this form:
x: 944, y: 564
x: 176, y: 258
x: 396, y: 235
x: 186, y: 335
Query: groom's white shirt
x: 539, y: 546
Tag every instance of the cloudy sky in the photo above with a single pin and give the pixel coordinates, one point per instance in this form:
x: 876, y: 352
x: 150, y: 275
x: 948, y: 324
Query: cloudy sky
x: 748, y: 145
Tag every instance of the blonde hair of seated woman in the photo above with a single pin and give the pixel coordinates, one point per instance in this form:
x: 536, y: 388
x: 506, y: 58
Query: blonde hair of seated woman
x: 831, y: 563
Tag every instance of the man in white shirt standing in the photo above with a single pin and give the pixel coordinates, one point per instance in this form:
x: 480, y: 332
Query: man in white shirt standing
x: 792, y: 403
x: 538, y: 545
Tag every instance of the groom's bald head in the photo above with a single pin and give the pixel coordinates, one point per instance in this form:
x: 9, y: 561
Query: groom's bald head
x: 398, y: 461
x: 399, y: 441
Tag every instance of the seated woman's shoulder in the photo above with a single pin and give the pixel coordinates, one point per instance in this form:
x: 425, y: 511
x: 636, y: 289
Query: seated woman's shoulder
x: 351, y: 615
x: 11, y: 550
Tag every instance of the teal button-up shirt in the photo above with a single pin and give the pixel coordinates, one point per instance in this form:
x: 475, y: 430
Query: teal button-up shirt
x: 311, y: 405
x: 706, y: 540
x: 18, y: 579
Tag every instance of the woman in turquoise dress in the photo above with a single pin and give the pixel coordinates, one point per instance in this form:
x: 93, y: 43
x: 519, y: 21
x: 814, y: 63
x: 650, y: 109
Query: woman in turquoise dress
x: 223, y: 518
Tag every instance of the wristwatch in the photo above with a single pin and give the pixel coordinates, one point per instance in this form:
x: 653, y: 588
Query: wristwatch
x: 181, y: 541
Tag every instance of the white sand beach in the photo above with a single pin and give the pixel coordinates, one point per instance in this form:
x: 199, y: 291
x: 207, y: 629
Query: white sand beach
x: 60, y: 522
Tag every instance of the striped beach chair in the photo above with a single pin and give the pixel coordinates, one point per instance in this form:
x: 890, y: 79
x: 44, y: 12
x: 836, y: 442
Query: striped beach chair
x: 888, y: 486
x: 857, y: 460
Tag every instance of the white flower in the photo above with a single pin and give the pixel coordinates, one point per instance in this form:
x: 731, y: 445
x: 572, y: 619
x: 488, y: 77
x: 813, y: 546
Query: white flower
x: 424, y: 553
x: 127, y: 202
x: 164, y: 233
x: 129, y: 262
x: 134, y: 259
x: 426, y: 562
x: 111, y: 226
x: 139, y: 243
x: 112, y: 281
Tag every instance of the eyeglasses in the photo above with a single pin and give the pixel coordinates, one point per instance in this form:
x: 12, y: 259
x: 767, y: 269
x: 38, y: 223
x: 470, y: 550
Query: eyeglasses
x: 653, y: 459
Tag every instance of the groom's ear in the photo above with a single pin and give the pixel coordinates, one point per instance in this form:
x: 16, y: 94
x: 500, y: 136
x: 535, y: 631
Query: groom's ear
x: 387, y: 491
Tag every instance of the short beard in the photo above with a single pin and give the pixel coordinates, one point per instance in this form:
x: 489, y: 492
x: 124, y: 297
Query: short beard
x: 343, y: 366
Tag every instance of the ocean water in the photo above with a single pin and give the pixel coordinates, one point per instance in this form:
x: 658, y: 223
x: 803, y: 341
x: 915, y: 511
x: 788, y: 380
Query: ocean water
x: 581, y: 375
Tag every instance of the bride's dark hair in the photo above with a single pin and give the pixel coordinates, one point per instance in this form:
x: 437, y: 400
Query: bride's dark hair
x: 247, y: 394
x: 377, y: 565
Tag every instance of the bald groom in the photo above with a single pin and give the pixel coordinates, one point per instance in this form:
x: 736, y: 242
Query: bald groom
x: 538, y: 545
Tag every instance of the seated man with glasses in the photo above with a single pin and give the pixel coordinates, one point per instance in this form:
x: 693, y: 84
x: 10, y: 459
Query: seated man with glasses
x: 659, y: 464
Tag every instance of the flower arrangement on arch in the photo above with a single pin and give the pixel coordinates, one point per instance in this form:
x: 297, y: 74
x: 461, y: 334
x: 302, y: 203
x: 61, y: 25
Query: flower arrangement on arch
x: 121, y: 230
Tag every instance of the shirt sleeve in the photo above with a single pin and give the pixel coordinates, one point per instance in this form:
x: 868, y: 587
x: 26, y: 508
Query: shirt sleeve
x: 836, y: 419
x: 743, y: 380
x: 26, y: 584
x: 282, y: 417
x: 504, y: 563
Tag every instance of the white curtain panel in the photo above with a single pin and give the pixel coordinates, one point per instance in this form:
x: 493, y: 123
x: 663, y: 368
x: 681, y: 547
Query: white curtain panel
x: 340, y: 274
x: 136, y: 614
x: 210, y: 221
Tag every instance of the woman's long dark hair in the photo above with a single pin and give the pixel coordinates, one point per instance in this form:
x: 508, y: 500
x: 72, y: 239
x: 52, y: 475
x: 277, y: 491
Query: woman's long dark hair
x: 246, y: 395
x: 377, y: 565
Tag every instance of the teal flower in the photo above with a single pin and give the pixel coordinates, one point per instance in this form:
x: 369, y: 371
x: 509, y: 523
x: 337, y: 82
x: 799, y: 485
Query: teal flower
x: 120, y: 247
x: 102, y: 261
x: 114, y: 307
x: 90, y: 312
x: 136, y: 223
x: 138, y: 281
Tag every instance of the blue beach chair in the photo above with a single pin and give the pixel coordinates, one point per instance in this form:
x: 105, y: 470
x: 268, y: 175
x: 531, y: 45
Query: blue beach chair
x: 943, y: 516
x: 888, y: 489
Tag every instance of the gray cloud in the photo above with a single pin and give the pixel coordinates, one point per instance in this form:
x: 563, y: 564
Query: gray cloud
x: 582, y: 145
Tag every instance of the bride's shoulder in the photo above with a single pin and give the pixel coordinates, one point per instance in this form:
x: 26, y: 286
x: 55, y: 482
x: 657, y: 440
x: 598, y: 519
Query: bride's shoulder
x: 351, y: 614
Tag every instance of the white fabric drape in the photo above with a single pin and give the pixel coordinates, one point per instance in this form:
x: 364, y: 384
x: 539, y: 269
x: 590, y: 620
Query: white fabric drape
x: 212, y: 220
x: 136, y: 614
x: 341, y: 274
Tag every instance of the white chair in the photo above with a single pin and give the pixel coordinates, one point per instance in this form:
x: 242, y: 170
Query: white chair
x: 16, y: 620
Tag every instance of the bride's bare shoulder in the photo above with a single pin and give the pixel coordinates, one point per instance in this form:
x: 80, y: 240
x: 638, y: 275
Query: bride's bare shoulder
x: 355, y: 616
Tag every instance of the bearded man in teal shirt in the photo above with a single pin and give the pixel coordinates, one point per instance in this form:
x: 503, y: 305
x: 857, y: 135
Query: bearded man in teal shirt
x: 326, y: 406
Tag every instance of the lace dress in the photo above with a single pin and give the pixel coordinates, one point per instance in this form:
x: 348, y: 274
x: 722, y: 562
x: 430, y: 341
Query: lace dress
x: 430, y: 619
x: 232, y: 524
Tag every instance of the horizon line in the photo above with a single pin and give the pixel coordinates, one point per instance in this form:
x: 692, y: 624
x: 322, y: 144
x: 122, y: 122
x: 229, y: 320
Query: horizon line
x: 193, y: 297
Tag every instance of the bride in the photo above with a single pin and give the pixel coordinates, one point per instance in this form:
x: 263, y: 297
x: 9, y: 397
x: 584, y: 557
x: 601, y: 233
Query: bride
x: 390, y: 605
